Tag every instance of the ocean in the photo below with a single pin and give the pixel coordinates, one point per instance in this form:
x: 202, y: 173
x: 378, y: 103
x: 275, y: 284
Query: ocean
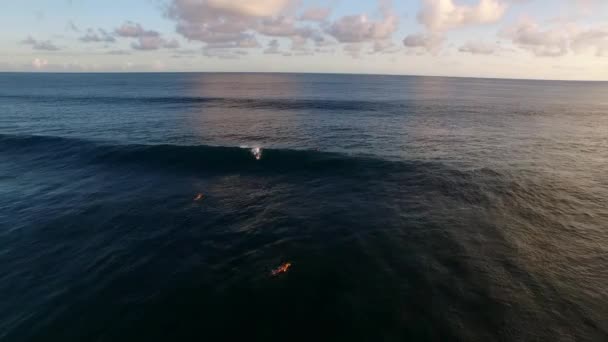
x: 161, y: 207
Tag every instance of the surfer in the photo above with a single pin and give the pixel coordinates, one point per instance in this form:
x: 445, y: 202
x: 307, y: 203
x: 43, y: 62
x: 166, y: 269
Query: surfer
x: 257, y: 153
x: 284, y: 268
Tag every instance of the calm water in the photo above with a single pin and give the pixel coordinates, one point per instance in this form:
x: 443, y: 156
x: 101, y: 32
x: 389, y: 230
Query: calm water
x: 411, y: 208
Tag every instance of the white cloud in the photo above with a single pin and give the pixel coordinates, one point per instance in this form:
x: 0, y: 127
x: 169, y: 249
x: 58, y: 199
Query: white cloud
x: 442, y: 15
x: 359, y: 28
x: 557, y: 40
x: 281, y: 26
x: 384, y: 46
x: 223, y: 24
x: 595, y: 40
x: 529, y: 36
x: 226, y: 22
x: 133, y: 30
x: 430, y: 42
x: 355, y: 30
x: 478, y: 48
x: 159, y: 65
x: 256, y: 8
x: 38, y: 63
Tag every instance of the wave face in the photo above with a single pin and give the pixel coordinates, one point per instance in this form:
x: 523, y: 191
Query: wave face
x: 445, y: 211
x: 206, y: 159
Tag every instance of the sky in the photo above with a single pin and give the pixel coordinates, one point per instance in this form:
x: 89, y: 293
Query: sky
x: 532, y: 39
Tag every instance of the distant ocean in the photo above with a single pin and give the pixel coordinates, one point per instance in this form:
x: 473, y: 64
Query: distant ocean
x: 155, y: 207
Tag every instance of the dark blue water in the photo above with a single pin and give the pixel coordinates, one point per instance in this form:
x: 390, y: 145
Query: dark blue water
x: 411, y: 208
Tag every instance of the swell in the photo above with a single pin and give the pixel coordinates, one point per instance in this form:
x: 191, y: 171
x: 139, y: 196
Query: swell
x: 468, y: 186
x: 472, y: 186
x: 203, y: 158
x: 278, y: 104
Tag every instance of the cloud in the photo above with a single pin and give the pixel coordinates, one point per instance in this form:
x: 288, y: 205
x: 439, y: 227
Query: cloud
x: 256, y: 8
x: 529, y: 36
x: 222, y: 24
x: 222, y: 21
x: 72, y: 27
x: 595, y: 39
x: 133, y: 30
x: 353, y: 50
x: 228, y: 24
x: 430, y: 42
x: 442, y: 15
x: 559, y: 40
x: 95, y: 36
x: 158, y: 65
x: 273, y: 48
x: 185, y: 53
x: 197, y: 21
x: 45, y: 45
x: 281, y: 27
x: 171, y: 44
x: 38, y: 63
x: 246, y: 41
x: 299, y: 43
x: 478, y: 48
x: 286, y: 27
x: 384, y: 46
x: 148, y: 43
x: 359, y: 28
x: 316, y: 14
x: 145, y: 39
x: 321, y: 40
x: 223, y: 53
x: 360, y: 31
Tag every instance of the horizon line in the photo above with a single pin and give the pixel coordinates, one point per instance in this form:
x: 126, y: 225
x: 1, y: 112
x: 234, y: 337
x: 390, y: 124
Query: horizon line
x: 298, y: 73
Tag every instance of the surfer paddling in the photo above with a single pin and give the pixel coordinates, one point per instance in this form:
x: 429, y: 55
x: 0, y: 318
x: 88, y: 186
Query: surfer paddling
x: 284, y: 268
